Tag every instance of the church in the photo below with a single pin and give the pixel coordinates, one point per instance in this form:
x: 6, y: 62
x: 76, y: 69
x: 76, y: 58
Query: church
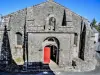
x: 49, y: 32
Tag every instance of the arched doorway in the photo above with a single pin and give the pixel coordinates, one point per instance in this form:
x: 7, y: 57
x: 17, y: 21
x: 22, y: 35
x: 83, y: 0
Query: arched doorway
x: 53, y: 52
x: 53, y: 44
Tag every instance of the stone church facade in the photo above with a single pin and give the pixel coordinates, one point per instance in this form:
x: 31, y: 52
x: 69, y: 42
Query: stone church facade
x: 49, y: 24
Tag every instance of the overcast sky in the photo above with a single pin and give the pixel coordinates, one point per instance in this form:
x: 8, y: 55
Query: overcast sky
x: 87, y: 8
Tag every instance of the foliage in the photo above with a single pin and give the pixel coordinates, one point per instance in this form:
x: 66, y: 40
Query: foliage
x: 99, y: 26
x: 95, y: 25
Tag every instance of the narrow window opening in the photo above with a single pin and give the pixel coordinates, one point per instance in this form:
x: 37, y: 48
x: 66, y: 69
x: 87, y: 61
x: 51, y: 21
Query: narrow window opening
x: 64, y: 19
x: 44, y: 27
x: 19, y: 38
x: 75, y: 38
x: 73, y: 63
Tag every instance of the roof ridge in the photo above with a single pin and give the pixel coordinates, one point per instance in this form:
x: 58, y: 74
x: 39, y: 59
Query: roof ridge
x: 46, y: 2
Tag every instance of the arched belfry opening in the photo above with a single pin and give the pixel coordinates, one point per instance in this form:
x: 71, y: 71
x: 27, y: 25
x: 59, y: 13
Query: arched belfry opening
x: 82, y: 42
x: 54, y: 45
x: 52, y: 23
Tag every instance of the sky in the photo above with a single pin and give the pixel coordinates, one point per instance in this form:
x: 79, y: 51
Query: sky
x: 87, y: 8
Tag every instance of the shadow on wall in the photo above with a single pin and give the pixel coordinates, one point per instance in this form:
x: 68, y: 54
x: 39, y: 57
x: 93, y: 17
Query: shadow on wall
x: 7, y: 64
x: 37, y: 68
x: 82, y: 42
x: 6, y: 61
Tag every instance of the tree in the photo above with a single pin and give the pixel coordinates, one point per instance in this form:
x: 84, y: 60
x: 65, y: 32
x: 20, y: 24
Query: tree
x: 93, y: 23
x: 99, y: 26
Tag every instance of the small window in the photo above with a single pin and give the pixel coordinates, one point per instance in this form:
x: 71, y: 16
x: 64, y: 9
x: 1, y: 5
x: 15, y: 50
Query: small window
x: 19, y: 38
x: 75, y: 38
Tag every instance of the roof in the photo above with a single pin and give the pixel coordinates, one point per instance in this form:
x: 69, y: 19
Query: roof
x: 94, y: 30
x: 52, y: 2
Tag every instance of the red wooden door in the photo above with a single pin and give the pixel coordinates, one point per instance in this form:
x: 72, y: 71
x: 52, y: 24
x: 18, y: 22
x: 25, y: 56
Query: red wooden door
x: 46, y: 55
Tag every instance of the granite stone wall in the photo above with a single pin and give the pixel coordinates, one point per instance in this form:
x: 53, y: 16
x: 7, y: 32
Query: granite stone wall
x: 36, y: 18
